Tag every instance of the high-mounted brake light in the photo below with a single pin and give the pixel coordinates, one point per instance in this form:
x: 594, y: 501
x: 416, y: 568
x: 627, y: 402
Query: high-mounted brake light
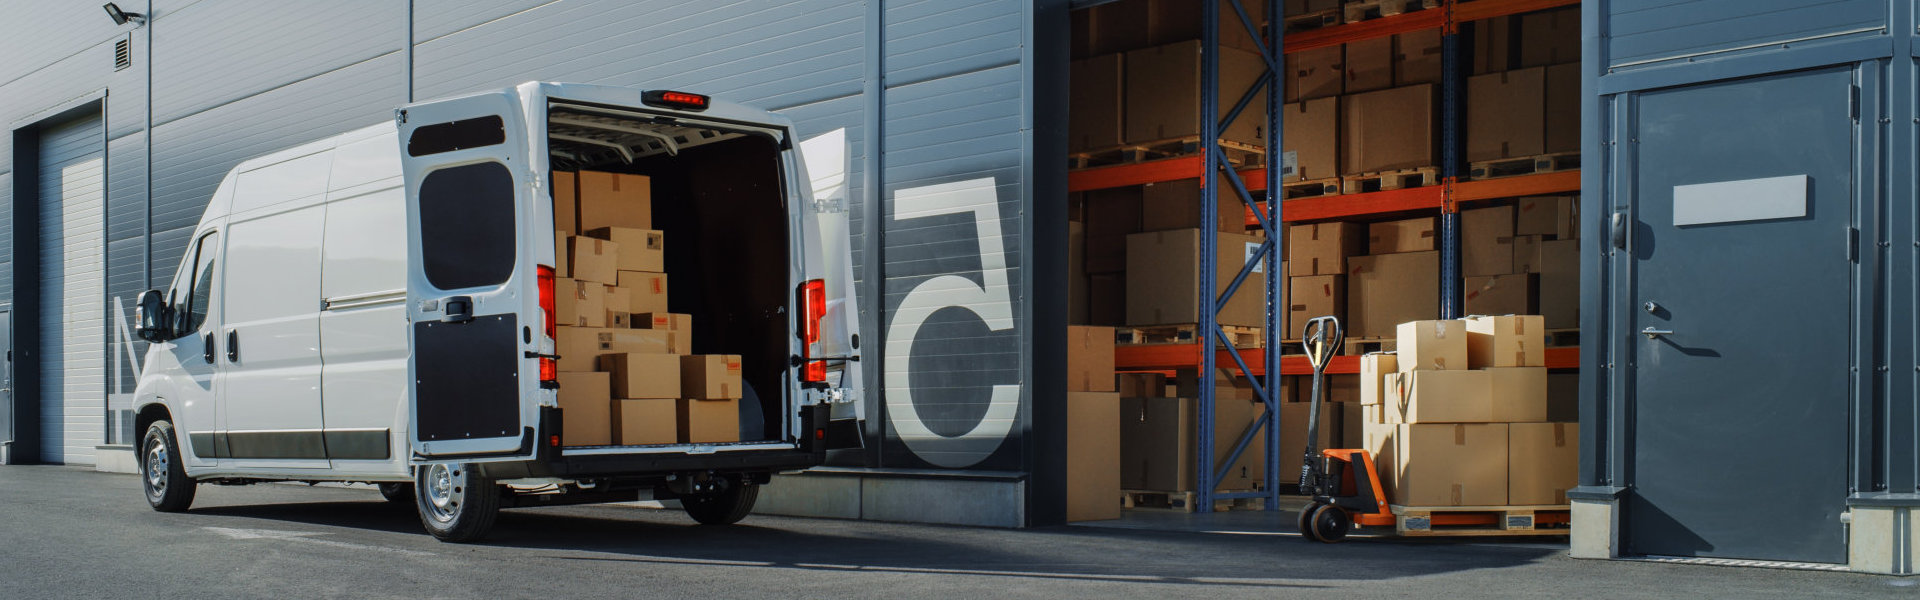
x: 813, y: 308
x: 680, y: 100
x: 549, y: 370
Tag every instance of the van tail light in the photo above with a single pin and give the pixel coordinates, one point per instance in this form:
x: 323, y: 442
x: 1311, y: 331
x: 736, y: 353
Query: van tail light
x: 671, y: 99
x: 813, y: 308
x: 549, y: 370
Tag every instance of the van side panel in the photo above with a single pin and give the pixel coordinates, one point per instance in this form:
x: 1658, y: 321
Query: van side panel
x: 270, y: 396
x: 363, y: 324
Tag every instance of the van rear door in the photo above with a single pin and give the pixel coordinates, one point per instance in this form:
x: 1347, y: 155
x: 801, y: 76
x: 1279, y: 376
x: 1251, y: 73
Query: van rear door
x: 474, y: 326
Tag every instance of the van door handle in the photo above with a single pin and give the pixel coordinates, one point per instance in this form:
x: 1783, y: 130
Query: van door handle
x: 233, y: 346
x: 206, y: 351
x: 458, y: 309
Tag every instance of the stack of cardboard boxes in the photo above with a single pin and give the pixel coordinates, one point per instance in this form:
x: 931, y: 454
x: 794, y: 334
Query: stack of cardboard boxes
x: 1093, y: 426
x: 1459, y: 416
x: 1523, y: 259
x: 626, y: 370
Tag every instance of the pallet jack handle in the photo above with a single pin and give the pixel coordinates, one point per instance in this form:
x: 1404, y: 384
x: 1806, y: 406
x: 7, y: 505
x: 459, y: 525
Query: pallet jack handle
x: 1322, y: 339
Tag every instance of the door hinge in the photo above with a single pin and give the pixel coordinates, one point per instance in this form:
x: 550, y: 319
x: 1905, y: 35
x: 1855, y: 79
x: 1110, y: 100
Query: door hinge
x: 400, y: 115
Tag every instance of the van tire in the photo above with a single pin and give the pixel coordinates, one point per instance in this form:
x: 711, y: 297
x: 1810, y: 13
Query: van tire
x: 724, y: 507
x: 397, y: 493
x: 162, y: 475
x: 455, y: 505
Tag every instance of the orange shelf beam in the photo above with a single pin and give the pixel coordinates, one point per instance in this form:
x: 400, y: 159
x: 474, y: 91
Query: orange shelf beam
x: 1421, y: 198
x: 1563, y: 182
x: 1487, y: 9
x: 1172, y: 357
x: 1432, y: 18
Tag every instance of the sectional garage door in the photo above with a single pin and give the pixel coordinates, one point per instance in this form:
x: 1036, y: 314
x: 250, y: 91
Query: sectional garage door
x: 72, y: 284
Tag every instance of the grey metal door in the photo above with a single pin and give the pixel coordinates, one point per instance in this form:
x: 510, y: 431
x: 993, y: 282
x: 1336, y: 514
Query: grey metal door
x: 1743, y: 194
x: 73, y: 332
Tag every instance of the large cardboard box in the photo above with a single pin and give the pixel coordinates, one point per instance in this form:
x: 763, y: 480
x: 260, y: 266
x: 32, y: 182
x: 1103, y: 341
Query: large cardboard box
x: 1511, y: 340
x: 1502, y: 295
x: 1486, y: 241
x: 1316, y: 73
x: 1416, y: 57
x: 1550, y: 37
x: 1369, y: 65
x: 593, y: 259
x: 1312, y: 135
x: 641, y: 341
x: 1441, y: 397
x: 1176, y: 205
x: 1163, y: 92
x: 646, y: 421
x: 1387, y: 290
x: 1519, y: 394
x: 1388, y: 130
x: 1563, y: 397
x: 1543, y: 462
x: 1563, y: 108
x: 1433, y: 345
x: 566, y: 203
x: 615, y: 200
x: 1556, y: 217
x: 1140, y: 385
x: 647, y: 291
x: 1093, y: 456
x: 586, y: 411
x: 1157, y: 447
x: 1450, y: 465
x: 1493, y: 41
x: 1316, y: 296
x: 1096, y: 95
x: 710, y: 377
x: 1089, y: 359
x: 1112, y: 215
x: 579, y: 303
x: 1406, y: 235
x: 1506, y: 114
x: 1323, y: 248
x: 1374, y: 368
x: 1163, y: 281
x: 1560, y: 284
x: 1077, y: 273
x: 639, y: 249
x: 1294, y: 417
x: 709, y: 421
x: 643, y: 375
x: 1107, y: 299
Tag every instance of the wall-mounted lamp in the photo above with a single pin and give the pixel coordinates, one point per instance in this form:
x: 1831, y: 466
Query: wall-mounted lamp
x: 120, y: 17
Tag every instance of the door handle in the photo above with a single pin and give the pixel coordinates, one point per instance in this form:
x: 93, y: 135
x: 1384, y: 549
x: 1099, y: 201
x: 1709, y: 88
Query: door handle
x: 206, y: 350
x: 1651, y: 333
x: 233, y: 346
x: 458, y: 309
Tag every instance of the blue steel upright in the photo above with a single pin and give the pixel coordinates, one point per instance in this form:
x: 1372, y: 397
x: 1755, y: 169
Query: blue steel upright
x: 1209, y: 141
x: 1453, y: 165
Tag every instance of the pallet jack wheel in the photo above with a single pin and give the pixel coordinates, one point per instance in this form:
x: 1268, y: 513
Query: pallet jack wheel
x: 1305, y: 520
x: 1329, y: 524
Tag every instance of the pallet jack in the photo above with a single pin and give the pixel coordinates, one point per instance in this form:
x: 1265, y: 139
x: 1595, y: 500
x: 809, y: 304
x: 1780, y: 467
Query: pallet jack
x: 1342, y: 483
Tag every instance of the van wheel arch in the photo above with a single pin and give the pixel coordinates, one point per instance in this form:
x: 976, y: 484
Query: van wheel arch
x: 156, y: 411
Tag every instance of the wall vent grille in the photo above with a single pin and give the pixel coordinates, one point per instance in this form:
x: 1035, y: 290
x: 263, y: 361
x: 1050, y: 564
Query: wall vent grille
x: 123, y: 53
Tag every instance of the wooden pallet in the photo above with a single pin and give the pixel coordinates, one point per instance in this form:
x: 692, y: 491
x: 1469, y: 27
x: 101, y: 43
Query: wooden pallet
x: 1314, y: 20
x: 1359, y: 346
x: 1389, y: 180
x: 1310, y: 188
x: 1362, y: 10
x: 1524, y: 165
x: 1184, y: 501
x: 1238, y: 154
x: 1489, y: 520
x: 1562, y: 338
x: 1242, y: 337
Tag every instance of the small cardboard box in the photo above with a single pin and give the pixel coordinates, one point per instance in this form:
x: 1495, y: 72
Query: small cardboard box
x: 566, y: 203
x: 643, y: 375
x: 640, y: 249
x: 1387, y: 290
x: 1316, y: 73
x: 585, y: 409
x: 1176, y: 205
x: 1093, y: 456
x: 1163, y: 281
x: 646, y: 421
x: 1374, y: 367
x: 1369, y: 65
x: 1094, y: 117
x: 1486, y: 241
x: 560, y: 267
x: 1450, y: 465
x: 641, y: 341
x: 615, y: 200
x: 1141, y: 385
x: 1416, y: 57
x: 1506, y: 114
x: 1163, y: 92
x: 1502, y: 295
x: 1406, y: 235
x: 578, y: 347
x: 648, y: 291
x: 592, y: 259
x: 1089, y: 359
x: 1554, y: 216
x: 580, y: 303
x: 1312, y: 135
x: 1316, y: 296
x: 1441, y: 397
x: 1435, y: 345
x: 1519, y: 394
x: 1323, y: 248
x: 709, y: 421
x: 1560, y: 284
x: 710, y: 377
x: 1389, y: 129
x: 1506, y: 341
x: 1543, y: 462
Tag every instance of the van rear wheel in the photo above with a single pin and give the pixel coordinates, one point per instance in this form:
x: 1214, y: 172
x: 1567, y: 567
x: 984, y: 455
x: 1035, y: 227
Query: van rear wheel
x: 724, y: 507
x: 162, y: 476
x: 455, y: 504
x: 397, y: 493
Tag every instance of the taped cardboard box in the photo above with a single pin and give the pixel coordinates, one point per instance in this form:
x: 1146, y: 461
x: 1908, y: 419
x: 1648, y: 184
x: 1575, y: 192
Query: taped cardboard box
x: 709, y: 421
x: 1389, y: 130
x: 1387, y: 290
x: 637, y: 375
x: 1406, y: 235
x: 1502, y: 295
x: 615, y: 200
x: 1519, y: 394
x: 1093, y: 456
x: 580, y: 303
x: 1431, y: 345
x: 585, y: 409
x: 1440, y: 397
x: 1163, y: 92
x: 648, y: 291
x: 710, y: 377
x: 646, y: 421
x: 1323, y: 248
x: 1094, y: 120
x: 1450, y: 465
x: 1089, y: 359
x: 593, y: 259
x: 1316, y: 73
x: 566, y: 203
x: 1560, y: 284
x: 1516, y: 340
x: 1416, y: 57
x: 1311, y: 133
x: 1506, y: 114
x: 1486, y: 241
x: 1316, y: 296
x: 639, y: 249
x: 1163, y: 281
x: 1176, y: 205
x: 1557, y: 217
x: 1369, y: 65
x: 1543, y: 462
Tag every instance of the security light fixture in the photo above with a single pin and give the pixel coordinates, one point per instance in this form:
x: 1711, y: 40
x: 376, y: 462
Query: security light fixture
x: 120, y: 17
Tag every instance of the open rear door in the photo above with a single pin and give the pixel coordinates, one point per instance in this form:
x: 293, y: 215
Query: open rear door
x: 472, y: 302
x: 830, y: 258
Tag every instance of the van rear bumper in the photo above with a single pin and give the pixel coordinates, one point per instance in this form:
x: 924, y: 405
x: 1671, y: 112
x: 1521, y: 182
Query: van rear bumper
x: 553, y: 462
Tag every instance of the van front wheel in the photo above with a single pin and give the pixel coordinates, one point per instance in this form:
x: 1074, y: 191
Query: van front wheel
x: 455, y: 504
x: 724, y: 507
x: 161, y: 474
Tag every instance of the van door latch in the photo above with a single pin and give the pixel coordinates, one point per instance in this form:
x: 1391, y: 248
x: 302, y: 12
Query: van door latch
x: 459, y: 309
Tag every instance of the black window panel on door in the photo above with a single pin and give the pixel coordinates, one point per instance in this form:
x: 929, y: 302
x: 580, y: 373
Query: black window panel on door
x: 466, y: 226
x: 457, y: 135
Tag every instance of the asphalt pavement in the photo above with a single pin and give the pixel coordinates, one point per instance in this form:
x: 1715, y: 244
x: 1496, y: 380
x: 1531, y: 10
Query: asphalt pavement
x: 68, y: 532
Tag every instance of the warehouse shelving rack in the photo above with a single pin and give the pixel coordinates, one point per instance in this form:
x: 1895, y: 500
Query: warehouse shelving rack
x: 1261, y: 367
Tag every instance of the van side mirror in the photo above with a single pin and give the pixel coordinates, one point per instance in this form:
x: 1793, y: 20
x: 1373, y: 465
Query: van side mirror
x: 150, y: 313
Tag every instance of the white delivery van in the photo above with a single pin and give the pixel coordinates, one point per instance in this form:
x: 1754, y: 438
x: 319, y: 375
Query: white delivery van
x: 380, y: 307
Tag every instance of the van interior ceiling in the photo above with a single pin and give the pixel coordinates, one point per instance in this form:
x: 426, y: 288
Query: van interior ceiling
x: 720, y: 202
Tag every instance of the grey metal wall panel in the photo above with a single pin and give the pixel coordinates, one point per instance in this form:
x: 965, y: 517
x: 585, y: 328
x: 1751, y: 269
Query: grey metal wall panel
x: 215, y: 52
x: 126, y: 186
x: 1642, y: 30
x: 6, y: 236
x: 933, y: 38
x: 39, y: 33
x: 54, y: 86
x: 435, y: 18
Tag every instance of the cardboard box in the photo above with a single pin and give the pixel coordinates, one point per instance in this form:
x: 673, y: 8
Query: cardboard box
x: 1506, y: 114
x: 1563, y: 108
x: 1157, y: 450
x: 560, y: 267
x: 641, y: 341
x: 1557, y: 217
x: 579, y: 303
x: 646, y: 421
x: 1323, y: 248
x: 709, y: 421
x: 615, y: 200
x: 1077, y: 273
x: 1141, y: 385
x: 1486, y: 241
x: 1388, y: 130
x: 578, y: 347
x: 1170, y: 21
x: 1369, y: 65
x: 1316, y: 73
x: 1116, y: 27
x: 1293, y: 435
x: 648, y: 291
x: 1435, y: 345
x: 1316, y: 296
x: 1089, y: 359
x: 1416, y: 57
x: 1387, y: 290
x: 1374, y: 368
x: 1112, y: 215
x: 1517, y: 340
x: 674, y: 322
x: 1163, y: 92
x: 1493, y: 41
x: 586, y: 409
x: 640, y: 249
x: 1176, y: 205
x: 1543, y: 462
x: 1107, y: 299
x: 1560, y: 284
x: 1311, y: 133
x: 1550, y: 37
x: 1093, y: 456
x: 618, y: 300
x: 566, y: 203
x: 1519, y: 394
x: 1450, y: 465
x: 592, y: 259
x: 643, y: 375
x: 1526, y: 253
x: 1163, y: 281
x: 1563, y: 397
x: 1441, y: 397
x: 710, y: 377
x: 1502, y: 295
x: 1406, y: 235
x: 1095, y: 94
